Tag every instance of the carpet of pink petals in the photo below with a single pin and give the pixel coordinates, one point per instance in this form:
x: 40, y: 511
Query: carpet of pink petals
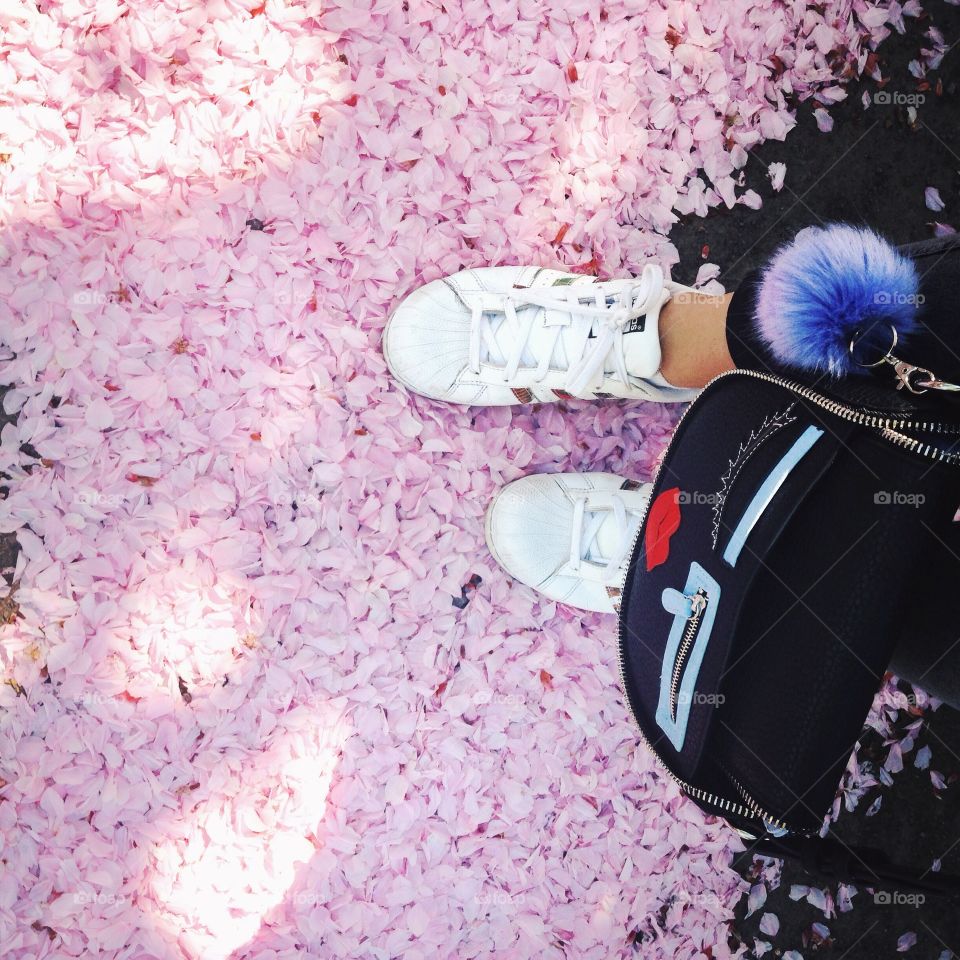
x: 243, y: 715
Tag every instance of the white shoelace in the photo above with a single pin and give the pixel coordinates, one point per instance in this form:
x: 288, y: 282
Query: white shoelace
x: 587, y: 335
x: 586, y: 526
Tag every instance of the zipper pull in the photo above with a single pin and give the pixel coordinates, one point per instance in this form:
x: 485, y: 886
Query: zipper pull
x: 679, y: 604
x: 698, y: 603
x: 934, y: 384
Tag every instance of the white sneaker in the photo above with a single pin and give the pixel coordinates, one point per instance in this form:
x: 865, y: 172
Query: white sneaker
x: 506, y: 335
x: 568, y: 535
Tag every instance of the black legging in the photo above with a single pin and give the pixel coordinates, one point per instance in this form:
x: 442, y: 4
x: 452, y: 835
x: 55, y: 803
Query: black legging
x: 928, y: 655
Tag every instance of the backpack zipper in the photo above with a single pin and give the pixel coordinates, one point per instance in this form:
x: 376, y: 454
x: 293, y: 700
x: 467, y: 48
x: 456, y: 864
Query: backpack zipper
x: 889, y: 428
x: 753, y: 805
x: 698, y: 602
x: 919, y: 447
x: 747, y: 799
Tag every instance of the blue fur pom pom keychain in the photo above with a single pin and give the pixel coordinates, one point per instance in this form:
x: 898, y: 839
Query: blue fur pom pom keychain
x: 832, y: 286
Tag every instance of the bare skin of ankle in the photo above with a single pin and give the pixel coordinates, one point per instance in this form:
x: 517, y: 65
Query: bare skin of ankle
x: 693, y: 339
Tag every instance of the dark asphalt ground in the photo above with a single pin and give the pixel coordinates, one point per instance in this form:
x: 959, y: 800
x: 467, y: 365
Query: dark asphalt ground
x: 871, y: 169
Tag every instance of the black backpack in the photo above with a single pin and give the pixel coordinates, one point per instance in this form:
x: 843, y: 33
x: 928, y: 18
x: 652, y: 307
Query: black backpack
x: 769, y: 582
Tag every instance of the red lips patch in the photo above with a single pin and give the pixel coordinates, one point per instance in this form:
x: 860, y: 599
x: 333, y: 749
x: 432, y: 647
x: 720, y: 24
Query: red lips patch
x: 663, y: 521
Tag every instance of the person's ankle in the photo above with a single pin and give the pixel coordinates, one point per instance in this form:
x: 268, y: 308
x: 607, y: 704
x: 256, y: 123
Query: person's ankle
x: 693, y: 338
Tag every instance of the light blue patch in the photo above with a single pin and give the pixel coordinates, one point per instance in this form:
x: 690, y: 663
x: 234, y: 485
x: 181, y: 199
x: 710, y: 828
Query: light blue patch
x: 677, y: 603
x: 769, y: 487
x: 676, y: 727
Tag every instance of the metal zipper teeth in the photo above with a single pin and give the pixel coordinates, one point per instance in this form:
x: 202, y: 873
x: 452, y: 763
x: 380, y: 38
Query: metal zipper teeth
x: 888, y: 428
x: 918, y: 446
x: 689, y: 632
x: 758, y: 810
x: 747, y: 799
x: 876, y: 421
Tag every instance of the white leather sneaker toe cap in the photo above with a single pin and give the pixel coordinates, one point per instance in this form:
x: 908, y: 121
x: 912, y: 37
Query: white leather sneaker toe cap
x: 426, y: 342
x: 530, y: 527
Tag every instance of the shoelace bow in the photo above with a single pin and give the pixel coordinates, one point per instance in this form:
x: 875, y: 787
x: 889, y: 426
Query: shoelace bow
x: 588, y: 334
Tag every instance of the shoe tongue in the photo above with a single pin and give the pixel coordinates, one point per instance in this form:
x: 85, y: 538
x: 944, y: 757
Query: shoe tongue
x: 641, y: 340
x: 641, y: 345
x: 607, y: 541
x: 542, y: 335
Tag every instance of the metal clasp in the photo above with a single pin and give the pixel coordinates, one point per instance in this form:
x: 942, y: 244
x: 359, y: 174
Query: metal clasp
x: 915, y: 379
x: 905, y: 373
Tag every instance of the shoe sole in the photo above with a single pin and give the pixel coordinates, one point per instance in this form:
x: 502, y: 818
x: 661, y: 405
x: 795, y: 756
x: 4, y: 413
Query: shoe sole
x: 488, y: 536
